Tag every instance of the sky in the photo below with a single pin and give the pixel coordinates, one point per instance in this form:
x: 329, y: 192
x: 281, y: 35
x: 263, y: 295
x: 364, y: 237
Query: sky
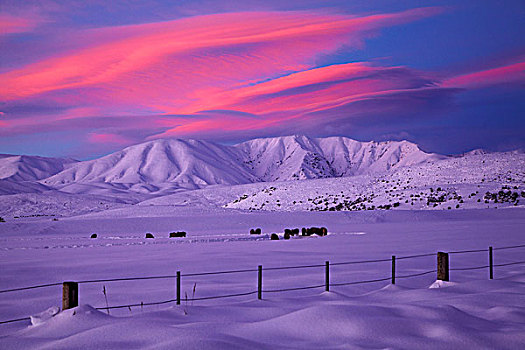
x: 82, y: 79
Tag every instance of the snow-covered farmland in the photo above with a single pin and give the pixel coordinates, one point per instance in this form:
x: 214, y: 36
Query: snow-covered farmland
x: 376, y: 199
x: 472, y: 311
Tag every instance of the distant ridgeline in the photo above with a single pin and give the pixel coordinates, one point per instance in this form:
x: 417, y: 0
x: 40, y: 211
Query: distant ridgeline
x: 194, y: 164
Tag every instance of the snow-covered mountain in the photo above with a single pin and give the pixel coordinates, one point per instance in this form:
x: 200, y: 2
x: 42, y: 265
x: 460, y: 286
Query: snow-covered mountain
x: 195, y: 164
x: 301, y: 157
x: 185, y: 163
x: 338, y: 174
x: 30, y: 168
x: 19, y: 174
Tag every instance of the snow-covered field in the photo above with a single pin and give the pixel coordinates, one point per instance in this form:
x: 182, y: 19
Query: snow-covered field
x: 389, y: 199
x: 471, y: 312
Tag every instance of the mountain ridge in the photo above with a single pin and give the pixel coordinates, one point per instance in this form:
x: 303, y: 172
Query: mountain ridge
x: 191, y: 164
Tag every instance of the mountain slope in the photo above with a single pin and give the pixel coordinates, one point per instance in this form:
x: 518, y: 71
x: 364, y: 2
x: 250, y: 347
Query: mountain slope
x: 30, y: 168
x: 168, y: 165
x: 186, y: 163
x: 301, y: 157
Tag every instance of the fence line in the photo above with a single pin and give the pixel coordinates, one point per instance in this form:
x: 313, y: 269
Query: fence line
x: 126, y: 279
x: 417, y: 274
x: 469, y: 268
x: 31, y: 287
x: 511, y: 263
x: 261, y: 290
x: 252, y: 270
x: 467, y: 251
x: 360, y: 262
x: 415, y: 256
x: 510, y: 247
x: 292, y: 289
x: 359, y: 282
x: 16, y: 320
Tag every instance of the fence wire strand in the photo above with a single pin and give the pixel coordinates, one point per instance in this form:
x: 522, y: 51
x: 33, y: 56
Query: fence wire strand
x: 359, y: 282
x: 510, y: 247
x: 359, y: 262
x: 220, y: 296
x: 470, y: 268
x: 217, y: 272
x: 416, y: 274
x: 126, y: 279
x: 31, y: 287
x: 291, y: 289
x: 468, y: 251
x: 511, y: 263
x: 414, y: 256
x: 174, y: 300
x: 292, y: 267
x: 16, y: 320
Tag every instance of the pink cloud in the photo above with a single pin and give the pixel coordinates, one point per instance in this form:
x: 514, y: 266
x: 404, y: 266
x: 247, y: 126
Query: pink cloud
x: 506, y: 74
x: 154, y: 61
x: 261, y: 63
x: 296, y: 95
x: 13, y: 24
x: 98, y: 138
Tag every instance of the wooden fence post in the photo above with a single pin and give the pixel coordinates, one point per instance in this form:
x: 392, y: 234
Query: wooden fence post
x: 259, y: 283
x: 393, y: 269
x: 327, y: 276
x: 491, y: 264
x: 69, y: 295
x: 442, y: 266
x: 178, y: 287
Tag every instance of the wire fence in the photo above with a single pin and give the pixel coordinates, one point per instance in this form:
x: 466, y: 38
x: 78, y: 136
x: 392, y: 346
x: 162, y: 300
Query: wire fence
x: 260, y: 290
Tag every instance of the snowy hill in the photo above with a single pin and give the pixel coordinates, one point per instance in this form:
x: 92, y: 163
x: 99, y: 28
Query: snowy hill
x: 300, y: 157
x: 473, y: 181
x: 194, y: 164
x: 30, y: 168
x: 293, y: 173
x: 186, y: 163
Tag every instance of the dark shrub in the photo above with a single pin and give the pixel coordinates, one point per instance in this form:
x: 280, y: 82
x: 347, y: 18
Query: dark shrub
x: 303, y: 231
x: 2, y: 219
x: 295, y: 231
x: 274, y: 237
x: 318, y: 231
x: 94, y: 235
x: 149, y: 235
x: 178, y: 234
x: 256, y: 231
x: 287, y: 235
